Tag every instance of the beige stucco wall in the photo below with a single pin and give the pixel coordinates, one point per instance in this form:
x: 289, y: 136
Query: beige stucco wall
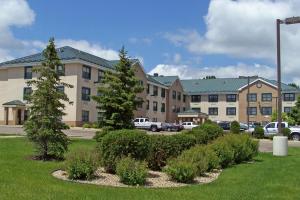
x: 222, y: 104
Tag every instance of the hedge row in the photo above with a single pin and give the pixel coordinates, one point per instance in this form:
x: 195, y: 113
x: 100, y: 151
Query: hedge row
x: 224, y: 151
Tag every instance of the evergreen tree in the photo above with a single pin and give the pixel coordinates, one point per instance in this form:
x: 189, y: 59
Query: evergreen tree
x: 117, y: 94
x: 295, y: 114
x: 44, y: 126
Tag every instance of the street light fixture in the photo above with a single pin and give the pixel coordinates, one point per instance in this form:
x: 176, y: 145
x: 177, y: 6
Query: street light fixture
x: 280, y: 145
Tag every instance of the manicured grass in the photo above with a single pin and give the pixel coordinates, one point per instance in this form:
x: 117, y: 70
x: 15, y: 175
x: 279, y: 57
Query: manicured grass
x: 268, y: 178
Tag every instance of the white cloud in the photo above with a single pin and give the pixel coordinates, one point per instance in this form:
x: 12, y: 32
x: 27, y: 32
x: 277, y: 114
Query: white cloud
x: 246, y: 29
x: 177, y: 58
x: 135, y: 40
x: 241, y: 69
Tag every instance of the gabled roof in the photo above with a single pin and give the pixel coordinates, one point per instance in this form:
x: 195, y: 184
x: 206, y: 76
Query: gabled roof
x: 166, y: 80
x: 14, y: 103
x: 226, y: 85
x: 153, y: 80
x: 64, y: 53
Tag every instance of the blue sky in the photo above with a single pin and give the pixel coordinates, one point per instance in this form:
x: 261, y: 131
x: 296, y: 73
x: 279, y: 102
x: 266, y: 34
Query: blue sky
x: 191, y: 38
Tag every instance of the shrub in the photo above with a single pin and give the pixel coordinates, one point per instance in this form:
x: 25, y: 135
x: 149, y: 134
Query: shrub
x: 286, y: 132
x: 86, y: 125
x: 224, y: 152
x: 213, y: 130
x: 100, y: 134
x: 235, y: 127
x: 181, y: 171
x: 131, y: 172
x: 201, y: 136
x: 164, y: 147
x: 95, y: 125
x: 117, y: 144
x: 259, y: 132
x: 82, y: 164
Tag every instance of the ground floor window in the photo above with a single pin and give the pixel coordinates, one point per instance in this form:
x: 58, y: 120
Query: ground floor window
x: 85, y: 116
x: 266, y: 110
x: 287, y: 109
x: 252, y: 111
x: 230, y: 111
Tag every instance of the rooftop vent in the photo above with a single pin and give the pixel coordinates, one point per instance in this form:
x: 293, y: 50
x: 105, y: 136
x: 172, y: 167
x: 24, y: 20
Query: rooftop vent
x: 155, y: 74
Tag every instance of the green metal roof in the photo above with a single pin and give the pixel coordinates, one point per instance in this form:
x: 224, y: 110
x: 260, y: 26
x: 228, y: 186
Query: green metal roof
x: 151, y: 78
x: 166, y: 80
x: 191, y: 112
x: 14, y: 103
x: 64, y: 53
x: 224, y: 85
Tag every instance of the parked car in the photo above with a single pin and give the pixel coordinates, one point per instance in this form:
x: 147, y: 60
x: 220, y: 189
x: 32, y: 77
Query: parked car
x: 145, y: 123
x: 224, y: 125
x: 189, y: 125
x: 272, y: 129
x: 244, y: 127
x: 172, y: 127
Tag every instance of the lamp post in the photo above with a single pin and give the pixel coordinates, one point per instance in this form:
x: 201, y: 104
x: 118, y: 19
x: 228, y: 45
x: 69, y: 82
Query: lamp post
x: 280, y: 143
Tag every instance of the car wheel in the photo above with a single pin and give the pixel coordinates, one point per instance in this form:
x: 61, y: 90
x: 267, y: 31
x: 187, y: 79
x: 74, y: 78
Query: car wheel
x: 296, y: 137
x: 153, y: 128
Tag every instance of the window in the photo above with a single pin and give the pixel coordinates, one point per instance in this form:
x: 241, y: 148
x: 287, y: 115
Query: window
x: 154, y: 105
x: 213, y: 111
x: 86, y: 72
x: 60, y: 88
x: 155, y: 90
x: 148, y: 88
x: 183, y: 109
x: 85, y: 116
x: 213, y: 98
x: 231, y: 97
x: 85, y: 94
x: 140, y: 102
x: 100, y: 75
x: 163, y: 92
x: 196, y: 98
x: 141, y: 82
x: 198, y: 110
x: 60, y: 70
x: 266, y: 110
x: 26, y: 93
x: 179, y: 96
x: 287, y: 109
x: 289, y: 97
x: 154, y: 119
x: 178, y: 110
x: 184, y: 98
x: 28, y: 72
x: 252, y: 111
x: 174, y: 109
x: 252, y: 97
x: 230, y: 111
x: 174, y: 94
x: 100, y: 117
x: 163, y: 107
x: 282, y: 125
x: 147, y: 105
x: 271, y: 125
x: 266, y: 97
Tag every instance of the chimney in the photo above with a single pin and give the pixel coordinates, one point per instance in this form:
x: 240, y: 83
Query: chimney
x: 155, y: 74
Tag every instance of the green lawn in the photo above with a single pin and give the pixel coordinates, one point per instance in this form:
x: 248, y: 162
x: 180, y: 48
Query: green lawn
x: 268, y: 178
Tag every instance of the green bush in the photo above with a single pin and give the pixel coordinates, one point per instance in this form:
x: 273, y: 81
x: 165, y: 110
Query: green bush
x: 224, y: 152
x: 131, y: 172
x: 235, y: 127
x: 181, y: 171
x: 82, y: 164
x: 201, y: 136
x: 122, y: 143
x: 164, y: 147
x: 286, y: 132
x: 100, y: 134
x: 212, y: 130
x: 259, y: 132
x: 95, y: 125
x: 86, y: 125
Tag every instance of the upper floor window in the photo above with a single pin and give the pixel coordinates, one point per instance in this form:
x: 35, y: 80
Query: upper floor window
x: 252, y: 110
x: 174, y: 109
x: 140, y: 102
x: 163, y: 92
x: 287, y: 109
x: 196, y: 98
x: 147, y: 104
x: 231, y: 97
x: 213, y: 111
x: 230, y: 111
x: 60, y: 70
x: 289, y: 96
x: 252, y: 97
x: 163, y: 107
x: 28, y: 72
x: 184, y: 98
x: 155, y: 90
x: 154, y: 105
x: 148, y: 88
x: 178, y: 110
x: 86, y: 72
x: 60, y: 88
x: 85, y: 94
x: 100, y: 75
x: 174, y: 95
x: 179, y: 96
x: 213, y: 98
x: 26, y: 93
x: 266, y: 110
x: 266, y: 97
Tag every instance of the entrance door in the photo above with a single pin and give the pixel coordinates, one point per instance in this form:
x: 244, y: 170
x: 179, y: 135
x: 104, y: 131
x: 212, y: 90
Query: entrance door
x: 19, y: 117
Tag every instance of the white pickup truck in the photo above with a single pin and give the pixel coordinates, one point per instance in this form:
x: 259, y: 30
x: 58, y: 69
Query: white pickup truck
x: 189, y: 125
x: 144, y: 123
x: 272, y: 129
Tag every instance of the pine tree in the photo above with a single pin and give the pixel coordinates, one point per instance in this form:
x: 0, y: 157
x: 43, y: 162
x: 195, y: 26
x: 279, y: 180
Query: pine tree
x: 295, y: 114
x: 117, y: 94
x: 44, y: 126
